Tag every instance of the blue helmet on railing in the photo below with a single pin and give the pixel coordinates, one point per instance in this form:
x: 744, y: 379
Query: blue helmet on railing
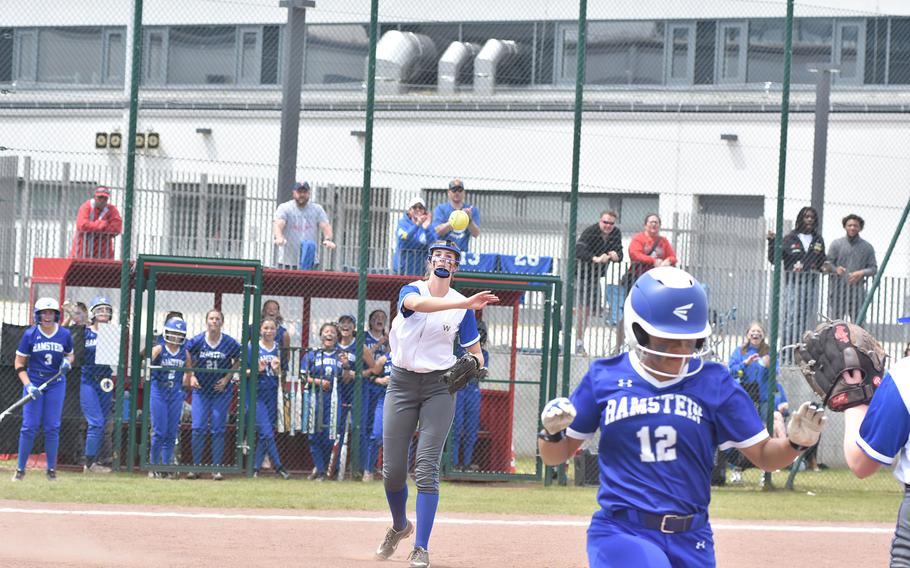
x: 667, y: 302
x: 175, y: 331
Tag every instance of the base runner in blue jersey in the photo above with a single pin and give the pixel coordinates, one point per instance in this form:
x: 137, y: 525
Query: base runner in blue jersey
x: 662, y: 410
x: 96, y: 392
x: 44, y: 354
x: 212, y: 349
x: 430, y: 314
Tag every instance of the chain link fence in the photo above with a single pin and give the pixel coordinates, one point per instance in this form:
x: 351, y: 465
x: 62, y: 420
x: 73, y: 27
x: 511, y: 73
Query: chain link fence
x: 473, y: 109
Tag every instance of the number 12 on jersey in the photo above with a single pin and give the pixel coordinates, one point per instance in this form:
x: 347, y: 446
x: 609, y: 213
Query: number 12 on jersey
x: 664, y: 440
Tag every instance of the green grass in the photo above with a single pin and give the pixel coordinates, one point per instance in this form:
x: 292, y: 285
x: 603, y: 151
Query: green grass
x: 817, y: 496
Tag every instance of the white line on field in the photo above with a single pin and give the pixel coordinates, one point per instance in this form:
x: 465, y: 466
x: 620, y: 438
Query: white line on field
x: 442, y: 520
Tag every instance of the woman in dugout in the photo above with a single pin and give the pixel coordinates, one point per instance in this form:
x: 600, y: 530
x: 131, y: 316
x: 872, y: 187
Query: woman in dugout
x: 375, y: 346
x: 96, y: 390
x: 212, y: 349
x: 268, y: 361
x: 166, y: 400
x: 430, y: 314
x: 323, y: 368
x: 44, y: 353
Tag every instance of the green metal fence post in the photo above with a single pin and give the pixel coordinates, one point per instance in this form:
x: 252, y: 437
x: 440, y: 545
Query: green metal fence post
x: 127, y: 238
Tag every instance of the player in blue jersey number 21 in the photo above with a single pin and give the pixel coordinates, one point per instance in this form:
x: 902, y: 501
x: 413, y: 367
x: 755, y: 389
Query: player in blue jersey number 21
x: 662, y: 410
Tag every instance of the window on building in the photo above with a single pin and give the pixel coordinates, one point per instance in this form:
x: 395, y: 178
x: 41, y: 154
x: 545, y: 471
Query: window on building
x: 249, y: 55
x: 271, y: 55
x: 876, y: 50
x: 813, y: 40
x: 336, y: 55
x: 201, y: 55
x: 618, y: 53
x: 6, y: 55
x: 207, y: 219
x: 705, y: 39
x: 154, y: 57
x: 25, y: 55
x: 69, y: 55
x: 849, y: 41
x: 731, y: 59
x: 543, y: 61
x: 899, y: 52
x: 517, y: 71
x: 114, y: 57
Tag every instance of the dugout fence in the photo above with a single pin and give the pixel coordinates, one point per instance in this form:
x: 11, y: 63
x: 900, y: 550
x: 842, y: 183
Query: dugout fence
x: 495, y: 433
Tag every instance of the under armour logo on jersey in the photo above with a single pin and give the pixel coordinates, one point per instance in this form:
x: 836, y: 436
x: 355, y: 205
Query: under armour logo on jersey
x: 625, y: 383
x: 700, y: 545
x: 682, y: 312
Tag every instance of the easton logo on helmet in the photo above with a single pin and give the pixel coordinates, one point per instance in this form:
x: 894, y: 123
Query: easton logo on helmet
x: 682, y: 312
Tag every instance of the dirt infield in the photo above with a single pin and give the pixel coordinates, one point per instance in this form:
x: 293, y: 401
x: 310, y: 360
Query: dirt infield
x: 58, y: 535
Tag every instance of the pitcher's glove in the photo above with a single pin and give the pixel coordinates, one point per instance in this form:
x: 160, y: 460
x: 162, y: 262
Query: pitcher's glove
x: 833, y: 348
x: 465, y: 370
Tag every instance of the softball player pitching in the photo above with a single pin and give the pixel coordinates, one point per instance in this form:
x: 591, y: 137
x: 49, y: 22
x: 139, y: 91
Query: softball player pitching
x: 662, y: 410
x: 45, y: 353
x: 96, y: 391
x: 430, y: 314
x: 212, y: 349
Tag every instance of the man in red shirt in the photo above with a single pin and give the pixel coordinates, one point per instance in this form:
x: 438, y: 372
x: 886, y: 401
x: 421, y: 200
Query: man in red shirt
x: 97, y: 223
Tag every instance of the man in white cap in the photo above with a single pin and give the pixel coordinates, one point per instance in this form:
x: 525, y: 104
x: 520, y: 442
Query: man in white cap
x: 414, y: 237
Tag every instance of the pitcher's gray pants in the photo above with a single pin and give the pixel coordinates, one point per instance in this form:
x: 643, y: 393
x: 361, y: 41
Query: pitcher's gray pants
x: 415, y: 402
x: 900, y: 545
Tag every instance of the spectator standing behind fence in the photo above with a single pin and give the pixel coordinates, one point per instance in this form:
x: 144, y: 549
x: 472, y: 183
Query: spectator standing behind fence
x: 467, y: 410
x: 802, y: 255
x: 598, y: 245
x: 442, y: 212
x: 268, y: 362
x: 413, y: 237
x: 647, y: 250
x: 74, y: 313
x: 212, y: 349
x: 96, y: 388
x: 298, y: 221
x: 45, y: 351
x: 97, y: 223
x: 850, y: 260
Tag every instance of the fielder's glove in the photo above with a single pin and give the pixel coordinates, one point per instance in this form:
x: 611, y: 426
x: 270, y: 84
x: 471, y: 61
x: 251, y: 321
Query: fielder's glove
x: 806, y: 426
x: 834, y: 348
x: 557, y: 415
x: 465, y: 370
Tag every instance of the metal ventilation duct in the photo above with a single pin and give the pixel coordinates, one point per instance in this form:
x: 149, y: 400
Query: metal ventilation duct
x: 456, y: 66
x: 402, y: 58
x: 495, y: 53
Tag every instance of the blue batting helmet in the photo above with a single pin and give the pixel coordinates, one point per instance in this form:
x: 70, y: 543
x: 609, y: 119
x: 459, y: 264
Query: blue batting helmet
x: 667, y: 302
x: 100, y: 306
x: 445, y: 245
x: 175, y: 331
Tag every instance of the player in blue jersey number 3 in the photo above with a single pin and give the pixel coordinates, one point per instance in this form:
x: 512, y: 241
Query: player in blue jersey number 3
x: 662, y: 410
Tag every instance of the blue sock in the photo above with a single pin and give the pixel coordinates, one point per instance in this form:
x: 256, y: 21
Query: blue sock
x: 398, y: 502
x: 426, y: 512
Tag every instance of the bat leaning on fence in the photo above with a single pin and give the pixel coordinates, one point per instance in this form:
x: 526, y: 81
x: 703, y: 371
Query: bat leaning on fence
x: 28, y: 397
x: 343, y: 452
